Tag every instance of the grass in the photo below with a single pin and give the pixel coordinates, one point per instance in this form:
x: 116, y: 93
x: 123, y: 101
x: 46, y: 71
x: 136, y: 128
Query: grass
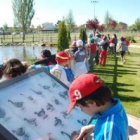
x: 124, y: 80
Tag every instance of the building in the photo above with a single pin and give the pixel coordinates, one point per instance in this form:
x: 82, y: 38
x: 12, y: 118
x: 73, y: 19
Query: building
x: 48, y: 26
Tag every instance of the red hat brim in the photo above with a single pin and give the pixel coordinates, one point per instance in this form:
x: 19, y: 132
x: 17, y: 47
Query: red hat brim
x: 71, y: 107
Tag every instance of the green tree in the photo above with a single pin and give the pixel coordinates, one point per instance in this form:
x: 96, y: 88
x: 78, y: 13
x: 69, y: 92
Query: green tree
x: 107, y: 20
x: 23, y: 14
x: 132, y: 27
x: 70, y: 21
x: 63, y: 42
x: 5, y: 27
x: 137, y: 23
x: 135, y: 26
x: 69, y: 36
x: 83, y: 35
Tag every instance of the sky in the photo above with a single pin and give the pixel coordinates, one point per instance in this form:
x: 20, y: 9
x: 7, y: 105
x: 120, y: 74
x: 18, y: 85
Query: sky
x: 126, y: 11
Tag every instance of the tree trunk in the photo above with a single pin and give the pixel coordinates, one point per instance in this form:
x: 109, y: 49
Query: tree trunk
x: 23, y: 37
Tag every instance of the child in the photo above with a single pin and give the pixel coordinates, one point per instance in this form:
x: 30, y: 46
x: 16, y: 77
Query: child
x: 112, y: 45
x: 46, y: 58
x: 92, y: 96
x: 13, y: 68
x: 81, y: 61
x: 62, y: 70
x: 92, y: 49
x: 123, y: 48
x: 103, y: 54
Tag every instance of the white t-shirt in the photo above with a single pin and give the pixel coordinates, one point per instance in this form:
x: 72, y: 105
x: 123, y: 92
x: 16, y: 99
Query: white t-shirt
x: 59, y: 72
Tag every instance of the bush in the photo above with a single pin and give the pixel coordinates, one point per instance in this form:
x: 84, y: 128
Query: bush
x: 131, y: 39
x: 63, y: 42
x: 83, y: 35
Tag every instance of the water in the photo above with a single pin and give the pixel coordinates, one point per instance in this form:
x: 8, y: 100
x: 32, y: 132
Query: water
x: 22, y: 52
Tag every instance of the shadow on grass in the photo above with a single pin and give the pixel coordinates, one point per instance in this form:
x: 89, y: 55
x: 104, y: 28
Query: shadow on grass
x: 128, y: 98
x: 118, y: 87
x: 115, y: 71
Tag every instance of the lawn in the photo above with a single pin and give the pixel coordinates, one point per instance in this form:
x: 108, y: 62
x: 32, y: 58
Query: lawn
x: 124, y: 80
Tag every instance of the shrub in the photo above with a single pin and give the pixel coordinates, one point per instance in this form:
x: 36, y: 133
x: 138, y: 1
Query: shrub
x: 63, y: 42
x: 83, y: 35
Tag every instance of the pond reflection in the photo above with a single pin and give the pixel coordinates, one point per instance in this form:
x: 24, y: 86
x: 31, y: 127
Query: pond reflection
x: 22, y: 52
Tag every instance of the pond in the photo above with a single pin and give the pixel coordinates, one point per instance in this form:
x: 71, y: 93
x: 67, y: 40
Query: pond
x: 22, y: 52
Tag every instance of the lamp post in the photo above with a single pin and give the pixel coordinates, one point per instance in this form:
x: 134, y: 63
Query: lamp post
x: 94, y: 2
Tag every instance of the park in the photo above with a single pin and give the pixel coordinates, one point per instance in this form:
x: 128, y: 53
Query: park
x: 26, y: 42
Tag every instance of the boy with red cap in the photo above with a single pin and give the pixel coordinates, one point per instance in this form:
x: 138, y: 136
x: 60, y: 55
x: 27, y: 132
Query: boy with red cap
x: 92, y: 96
x: 62, y: 70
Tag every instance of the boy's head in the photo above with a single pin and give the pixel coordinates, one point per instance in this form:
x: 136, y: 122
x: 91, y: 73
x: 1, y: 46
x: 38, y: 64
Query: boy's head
x: 92, y: 40
x: 14, y: 67
x: 45, y: 53
x: 73, y: 44
x: 62, y: 58
x: 86, y: 89
x: 79, y: 43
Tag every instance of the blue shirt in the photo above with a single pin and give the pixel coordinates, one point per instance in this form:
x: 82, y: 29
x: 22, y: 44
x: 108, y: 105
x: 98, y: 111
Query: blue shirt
x: 112, y: 124
x: 48, y: 68
x: 69, y: 74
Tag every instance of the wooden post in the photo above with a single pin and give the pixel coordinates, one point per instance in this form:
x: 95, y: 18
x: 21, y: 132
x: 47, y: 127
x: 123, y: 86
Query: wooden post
x: 12, y: 39
x: 33, y: 37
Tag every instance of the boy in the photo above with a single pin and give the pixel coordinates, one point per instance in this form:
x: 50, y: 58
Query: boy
x: 62, y: 69
x: 92, y: 49
x: 94, y: 98
x: 46, y: 58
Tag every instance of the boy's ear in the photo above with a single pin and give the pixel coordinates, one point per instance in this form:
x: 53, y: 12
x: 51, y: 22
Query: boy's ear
x: 93, y: 103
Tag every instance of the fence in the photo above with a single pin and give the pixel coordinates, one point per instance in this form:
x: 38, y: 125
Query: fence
x: 48, y: 38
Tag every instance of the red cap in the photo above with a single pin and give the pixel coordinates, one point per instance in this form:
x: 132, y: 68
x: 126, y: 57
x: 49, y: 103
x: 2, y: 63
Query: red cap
x: 83, y: 86
x: 62, y: 57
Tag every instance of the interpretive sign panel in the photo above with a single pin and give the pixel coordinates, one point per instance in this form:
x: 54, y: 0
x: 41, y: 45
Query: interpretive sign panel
x: 33, y: 107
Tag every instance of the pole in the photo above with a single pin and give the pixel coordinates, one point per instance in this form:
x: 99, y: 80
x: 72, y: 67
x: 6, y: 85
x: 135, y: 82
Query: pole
x: 94, y: 2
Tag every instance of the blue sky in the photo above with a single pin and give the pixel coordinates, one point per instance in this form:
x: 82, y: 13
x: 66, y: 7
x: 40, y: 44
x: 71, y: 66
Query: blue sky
x: 53, y: 10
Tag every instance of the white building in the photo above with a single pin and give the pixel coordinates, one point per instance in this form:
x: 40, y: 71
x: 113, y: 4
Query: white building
x: 48, y: 26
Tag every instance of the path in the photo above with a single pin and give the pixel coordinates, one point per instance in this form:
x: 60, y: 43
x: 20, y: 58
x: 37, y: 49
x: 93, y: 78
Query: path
x: 134, y: 128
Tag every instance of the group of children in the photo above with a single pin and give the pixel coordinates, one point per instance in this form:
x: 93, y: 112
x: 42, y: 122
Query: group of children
x: 86, y: 90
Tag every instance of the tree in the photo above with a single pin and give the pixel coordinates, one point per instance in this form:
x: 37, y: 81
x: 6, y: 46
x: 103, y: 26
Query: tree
x: 101, y: 28
x: 137, y: 23
x: 107, y: 18
x: 93, y: 24
x: 63, y: 42
x: 112, y: 24
x: 5, y: 27
x: 70, y: 21
x: 69, y: 36
x: 135, y: 26
x: 132, y: 27
x: 23, y: 14
x: 83, y: 35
